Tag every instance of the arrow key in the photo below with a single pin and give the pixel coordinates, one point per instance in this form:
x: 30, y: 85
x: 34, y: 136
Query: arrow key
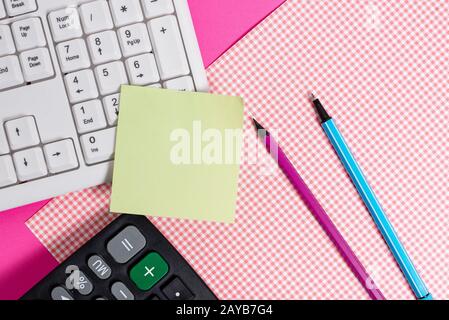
x: 30, y: 164
x: 61, y: 156
x: 22, y: 133
x: 142, y: 70
x: 59, y: 293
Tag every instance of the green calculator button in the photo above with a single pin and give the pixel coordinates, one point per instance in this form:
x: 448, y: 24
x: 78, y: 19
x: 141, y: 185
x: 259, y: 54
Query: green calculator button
x: 149, y: 271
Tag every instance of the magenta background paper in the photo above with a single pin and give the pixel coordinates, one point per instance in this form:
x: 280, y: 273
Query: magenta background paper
x: 23, y: 259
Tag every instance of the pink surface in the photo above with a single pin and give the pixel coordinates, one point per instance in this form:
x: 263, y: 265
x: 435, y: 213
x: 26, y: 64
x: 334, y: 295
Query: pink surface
x: 218, y: 24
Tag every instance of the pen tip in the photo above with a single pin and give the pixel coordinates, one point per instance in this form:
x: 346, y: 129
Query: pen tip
x: 257, y: 125
x: 313, y: 96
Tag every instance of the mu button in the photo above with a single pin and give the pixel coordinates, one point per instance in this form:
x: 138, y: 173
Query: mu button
x: 149, y: 271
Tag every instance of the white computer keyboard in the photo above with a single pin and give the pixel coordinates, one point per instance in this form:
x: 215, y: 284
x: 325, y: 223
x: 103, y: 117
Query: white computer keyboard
x: 62, y: 63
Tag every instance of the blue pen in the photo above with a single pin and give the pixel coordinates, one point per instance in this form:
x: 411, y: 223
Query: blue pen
x: 371, y: 202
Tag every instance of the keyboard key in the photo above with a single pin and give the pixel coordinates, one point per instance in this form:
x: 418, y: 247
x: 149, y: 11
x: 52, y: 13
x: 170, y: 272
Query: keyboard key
x: 126, y: 12
x: 126, y: 244
x: 110, y: 77
x: 22, y: 133
x: 99, y: 146
x: 104, y: 47
x: 65, y: 24
x: 96, y: 17
x: 30, y: 164
x: 121, y: 292
x: 89, y: 116
x: 142, y: 70
x: 156, y: 8
x: 18, y: 7
x: 4, y: 148
x: 61, y: 156
x: 10, y: 72
x: 7, y: 172
x: 36, y: 64
x: 81, y: 86
x: 2, y: 10
x: 101, y: 269
x: 80, y: 282
x: 149, y: 271
x: 28, y: 34
x: 168, y: 47
x: 6, y: 41
x: 176, y: 290
x: 111, y: 108
x: 180, y: 84
x: 134, y: 39
x: 60, y: 293
x: 73, y: 55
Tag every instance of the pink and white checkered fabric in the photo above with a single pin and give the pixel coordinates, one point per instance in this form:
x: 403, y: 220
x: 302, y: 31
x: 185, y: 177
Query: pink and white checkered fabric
x: 381, y: 69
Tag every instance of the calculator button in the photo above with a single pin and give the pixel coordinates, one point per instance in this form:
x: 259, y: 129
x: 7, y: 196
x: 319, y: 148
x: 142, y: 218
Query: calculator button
x: 7, y: 172
x: 99, y: 146
x: 168, y: 47
x: 95, y: 16
x: 176, y: 290
x: 104, y: 47
x: 80, y: 282
x: 134, y: 39
x: 142, y: 70
x: 2, y: 10
x: 30, y: 164
x: 149, y: 271
x: 81, y: 86
x: 99, y: 267
x: 180, y: 84
x: 61, y: 156
x: 36, y: 64
x: 59, y: 293
x: 126, y: 12
x: 121, y: 292
x: 156, y: 8
x: 28, y: 34
x: 10, y: 72
x: 126, y: 244
x: 22, y: 133
x: 6, y: 41
x: 89, y: 116
x: 65, y: 24
x: 18, y: 7
x: 73, y: 55
x: 111, y: 108
x: 110, y: 77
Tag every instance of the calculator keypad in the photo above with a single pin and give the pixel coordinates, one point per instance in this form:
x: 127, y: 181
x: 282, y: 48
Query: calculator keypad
x: 128, y: 260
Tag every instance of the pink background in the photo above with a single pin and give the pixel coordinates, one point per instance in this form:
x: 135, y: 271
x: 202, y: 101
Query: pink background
x: 23, y: 259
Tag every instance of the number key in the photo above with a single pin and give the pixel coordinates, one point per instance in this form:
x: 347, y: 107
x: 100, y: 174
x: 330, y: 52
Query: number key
x: 110, y: 77
x: 81, y: 86
x: 104, y: 47
x: 142, y: 69
x: 73, y: 55
x: 134, y: 39
x: 111, y: 107
x: 89, y: 116
x: 98, y: 146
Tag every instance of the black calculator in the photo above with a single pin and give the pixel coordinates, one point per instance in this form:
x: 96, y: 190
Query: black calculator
x: 128, y: 260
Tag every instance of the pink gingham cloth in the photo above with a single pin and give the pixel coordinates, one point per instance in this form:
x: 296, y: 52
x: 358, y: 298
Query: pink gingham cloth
x: 380, y: 68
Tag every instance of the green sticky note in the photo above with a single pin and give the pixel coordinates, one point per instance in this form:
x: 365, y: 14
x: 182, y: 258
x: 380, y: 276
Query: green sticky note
x: 177, y: 154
